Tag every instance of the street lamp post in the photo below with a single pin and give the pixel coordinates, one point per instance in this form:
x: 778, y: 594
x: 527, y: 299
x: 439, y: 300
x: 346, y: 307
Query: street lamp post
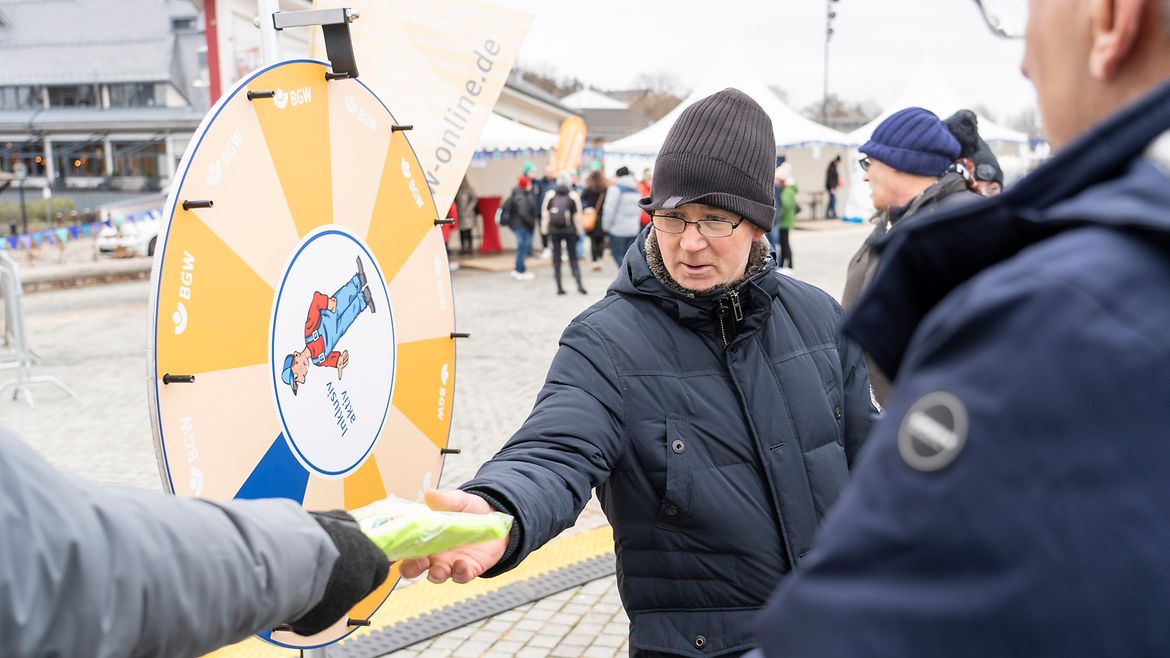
x: 830, y: 14
x: 20, y: 170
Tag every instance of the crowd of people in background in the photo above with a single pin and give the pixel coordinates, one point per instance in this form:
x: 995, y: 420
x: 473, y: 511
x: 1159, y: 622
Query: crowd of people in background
x: 578, y: 218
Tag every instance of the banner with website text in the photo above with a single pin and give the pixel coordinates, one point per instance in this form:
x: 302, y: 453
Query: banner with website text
x: 439, y: 66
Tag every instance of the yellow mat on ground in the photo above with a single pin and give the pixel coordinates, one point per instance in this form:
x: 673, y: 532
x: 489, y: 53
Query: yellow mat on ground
x: 425, y: 597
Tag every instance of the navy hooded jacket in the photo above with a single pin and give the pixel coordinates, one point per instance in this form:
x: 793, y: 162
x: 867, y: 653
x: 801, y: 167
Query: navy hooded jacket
x: 714, y: 463
x: 1032, y: 516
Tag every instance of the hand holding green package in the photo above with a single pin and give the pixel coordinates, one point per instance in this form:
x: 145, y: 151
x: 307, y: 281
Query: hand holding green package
x: 405, y: 529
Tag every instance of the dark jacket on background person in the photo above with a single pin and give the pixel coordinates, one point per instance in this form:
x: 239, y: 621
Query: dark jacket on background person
x: 717, y: 429
x: 540, y: 188
x: 1042, y: 315
x: 590, y: 199
x: 950, y: 190
x: 518, y: 210
x: 561, y: 214
x: 832, y: 177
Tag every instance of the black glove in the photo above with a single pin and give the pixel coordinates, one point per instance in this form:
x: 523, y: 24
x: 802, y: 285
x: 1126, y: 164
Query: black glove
x: 361, y: 568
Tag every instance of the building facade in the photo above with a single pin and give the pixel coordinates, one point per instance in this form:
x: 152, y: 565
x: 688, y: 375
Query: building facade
x: 97, y: 96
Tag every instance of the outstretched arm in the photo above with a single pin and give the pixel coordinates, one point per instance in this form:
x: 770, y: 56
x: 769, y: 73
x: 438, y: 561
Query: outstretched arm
x: 545, y: 474
x: 88, y: 570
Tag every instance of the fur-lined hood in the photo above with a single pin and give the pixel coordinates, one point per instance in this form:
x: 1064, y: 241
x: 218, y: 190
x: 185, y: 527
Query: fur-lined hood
x: 725, y: 311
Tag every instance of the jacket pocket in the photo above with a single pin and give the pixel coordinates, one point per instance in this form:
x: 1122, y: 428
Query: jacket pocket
x: 675, y: 507
x: 696, y: 633
x: 835, y: 396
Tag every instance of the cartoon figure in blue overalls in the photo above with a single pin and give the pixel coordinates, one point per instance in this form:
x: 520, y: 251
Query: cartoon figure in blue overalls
x: 328, y: 320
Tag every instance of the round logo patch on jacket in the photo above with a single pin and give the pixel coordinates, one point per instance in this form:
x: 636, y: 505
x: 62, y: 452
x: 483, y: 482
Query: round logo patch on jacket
x: 933, y: 431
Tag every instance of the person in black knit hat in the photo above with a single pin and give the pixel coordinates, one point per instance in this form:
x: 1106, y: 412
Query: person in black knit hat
x: 708, y: 400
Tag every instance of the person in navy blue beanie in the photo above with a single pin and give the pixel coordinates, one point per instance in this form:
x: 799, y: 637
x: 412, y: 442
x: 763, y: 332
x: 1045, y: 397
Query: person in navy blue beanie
x: 913, y: 141
x: 905, y: 164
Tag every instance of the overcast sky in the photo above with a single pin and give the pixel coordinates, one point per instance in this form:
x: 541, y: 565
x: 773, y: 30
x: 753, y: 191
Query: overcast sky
x: 876, y: 45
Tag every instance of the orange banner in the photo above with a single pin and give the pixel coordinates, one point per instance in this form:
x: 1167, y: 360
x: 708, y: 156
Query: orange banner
x: 571, y: 144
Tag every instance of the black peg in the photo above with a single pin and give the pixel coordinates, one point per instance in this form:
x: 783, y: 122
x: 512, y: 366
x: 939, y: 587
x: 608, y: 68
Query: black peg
x: 329, y: 75
x: 197, y: 203
x: 168, y: 378
x: 357, y: 622
x: 449, y: 451
x: 253, y: 95
x: 455, y: 334
x: 396, y: 128
x: 444, y: 222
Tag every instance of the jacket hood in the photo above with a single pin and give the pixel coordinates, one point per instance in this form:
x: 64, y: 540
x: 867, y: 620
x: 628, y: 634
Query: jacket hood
x: 699, y: 311
x: 1111, y: 176
x: 627, y: 182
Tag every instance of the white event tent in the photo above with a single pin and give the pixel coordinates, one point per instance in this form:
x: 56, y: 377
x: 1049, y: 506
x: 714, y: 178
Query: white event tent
x: 929, y: 88
x: 931, y: 91
x: 806, y: 144
x: 504, y: 146
x: 589, y: 99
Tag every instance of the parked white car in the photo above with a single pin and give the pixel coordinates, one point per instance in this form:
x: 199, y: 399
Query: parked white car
x: 133, y: 228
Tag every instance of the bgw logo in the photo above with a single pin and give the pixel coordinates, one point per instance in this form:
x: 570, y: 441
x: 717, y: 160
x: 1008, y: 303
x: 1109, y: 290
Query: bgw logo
x: 302, y: 96
x: 363, y: 117
x: 224, y: 159
x: 418, y: 200
x: 186, y: 278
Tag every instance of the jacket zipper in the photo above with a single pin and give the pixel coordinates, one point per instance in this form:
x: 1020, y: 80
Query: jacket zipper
x: 721, y: 311
x: 735, y: 305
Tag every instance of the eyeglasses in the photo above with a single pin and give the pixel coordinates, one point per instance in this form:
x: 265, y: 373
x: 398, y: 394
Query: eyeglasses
x: 1006, y: 18
x: 864, y: 163
x: 710, y: 228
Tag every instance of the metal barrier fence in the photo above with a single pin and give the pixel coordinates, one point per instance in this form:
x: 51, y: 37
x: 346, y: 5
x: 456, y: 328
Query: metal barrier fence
x: 14, y: 352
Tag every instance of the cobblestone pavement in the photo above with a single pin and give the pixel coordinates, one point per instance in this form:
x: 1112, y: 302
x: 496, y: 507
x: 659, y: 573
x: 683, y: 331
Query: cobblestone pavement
x: 94, y: 339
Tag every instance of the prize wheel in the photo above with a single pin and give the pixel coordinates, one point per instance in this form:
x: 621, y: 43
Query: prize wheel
x: 301, y: 342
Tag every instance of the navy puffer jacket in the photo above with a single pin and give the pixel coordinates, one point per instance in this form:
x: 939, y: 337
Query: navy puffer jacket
x: 717, y: 430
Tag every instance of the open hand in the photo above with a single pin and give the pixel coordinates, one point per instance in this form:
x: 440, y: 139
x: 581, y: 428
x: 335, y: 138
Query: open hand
x: 342, y: 362
x: 462, y: 564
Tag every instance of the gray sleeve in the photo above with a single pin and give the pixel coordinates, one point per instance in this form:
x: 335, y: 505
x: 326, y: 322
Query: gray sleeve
x: 613, y: 197
x: 87, y: 570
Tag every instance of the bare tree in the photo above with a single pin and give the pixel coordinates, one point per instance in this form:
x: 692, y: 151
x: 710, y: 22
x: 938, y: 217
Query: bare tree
x: 843, y: 114
x: 661, y: 93
x: 1028, y: 122
x: 545, y: 78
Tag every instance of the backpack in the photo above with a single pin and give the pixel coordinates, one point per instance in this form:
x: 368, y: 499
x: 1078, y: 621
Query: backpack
x: 506, y: 212
x: 561, y: 209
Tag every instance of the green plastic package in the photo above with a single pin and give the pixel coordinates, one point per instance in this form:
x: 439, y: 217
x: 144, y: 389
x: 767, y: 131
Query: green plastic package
x: 405, y: 529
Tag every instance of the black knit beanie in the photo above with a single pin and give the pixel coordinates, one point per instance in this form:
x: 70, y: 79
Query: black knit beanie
x: 720, y: 152
x: 964, y: 125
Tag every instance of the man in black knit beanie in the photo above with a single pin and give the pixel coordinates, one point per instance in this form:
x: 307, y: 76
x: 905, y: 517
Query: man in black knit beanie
x: 708, y: 400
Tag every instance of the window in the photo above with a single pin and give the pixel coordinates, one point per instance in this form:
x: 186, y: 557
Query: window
x: 32, y: 154
x: 73, y: 96
x: 140, y: 94
x: 184, y: 23
x: 138, y: 158
x: 79, y: 159
x: 20, y: 98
